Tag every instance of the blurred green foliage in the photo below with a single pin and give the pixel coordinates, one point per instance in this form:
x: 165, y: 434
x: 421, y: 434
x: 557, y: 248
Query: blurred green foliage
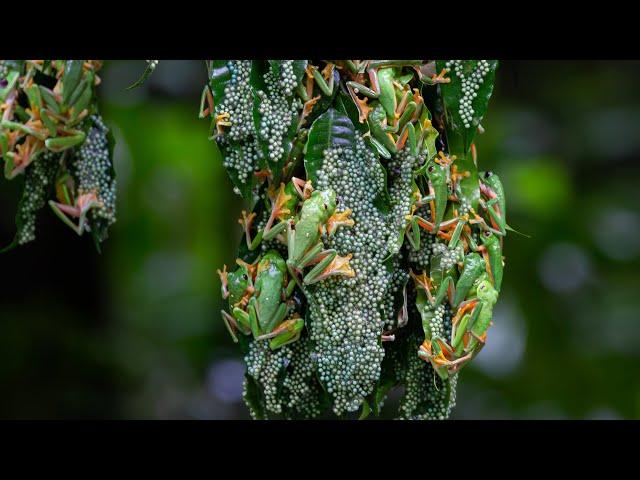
x: 136, y: 332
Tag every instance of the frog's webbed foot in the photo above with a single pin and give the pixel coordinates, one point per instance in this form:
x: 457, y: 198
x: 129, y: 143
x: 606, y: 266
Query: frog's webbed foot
x: 222, y: 120
x: 455, y: 365
x: 84, y: 203
x: 223, y: 274
x: 246, y: 222
x: 432, y: 353
x: 277, y: 211
x: 307, y: 108
x: 327, y: 73
x: 63, y: 212
x: 332, y: 264
x: 231, y: 324
x: 440, y: 77
x: 263, y: 174
x: 445, y: 160
x: 304, y: 188
x: 339, y: 219
x: 354, y: 88
x: 456, y: 176
x: 424, y: 282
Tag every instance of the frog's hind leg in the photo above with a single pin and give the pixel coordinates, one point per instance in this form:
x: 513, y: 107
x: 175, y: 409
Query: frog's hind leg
x: 332, y: 264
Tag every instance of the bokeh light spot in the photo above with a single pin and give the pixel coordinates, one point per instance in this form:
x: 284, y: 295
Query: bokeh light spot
x: 564, y: 267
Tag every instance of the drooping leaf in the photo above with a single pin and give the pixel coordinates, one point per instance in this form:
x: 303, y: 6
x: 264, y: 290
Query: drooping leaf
x: 455, y: 98
x: 219, y: 77
x: 38, y: 183
x: 151, y: 66
x: 331, y: 129
x: 281, y: 104
x: 344, y: 103
x: 253, y: 397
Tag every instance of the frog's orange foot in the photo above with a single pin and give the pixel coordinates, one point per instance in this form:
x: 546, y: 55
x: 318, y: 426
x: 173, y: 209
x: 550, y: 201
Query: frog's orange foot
x: 338, y: 266
x: 422, y: 280
x: 440, y: 78
x: 263, y: 174
x: 247, y: 220
x: 445, y: 160
x: 462, y: 310
x: 222, y: 120
x: 224, y: 279
x: 327, y: 71
x: 339, y: 219
x: 363, y: 108
x: 308, y: 107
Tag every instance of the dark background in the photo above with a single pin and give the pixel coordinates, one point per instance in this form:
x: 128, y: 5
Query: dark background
x: 136, y: 333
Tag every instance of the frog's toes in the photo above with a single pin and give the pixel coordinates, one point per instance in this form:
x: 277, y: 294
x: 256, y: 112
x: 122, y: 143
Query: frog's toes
x: 440, y: 78
x: 339, y: 219
x: 338, y: 266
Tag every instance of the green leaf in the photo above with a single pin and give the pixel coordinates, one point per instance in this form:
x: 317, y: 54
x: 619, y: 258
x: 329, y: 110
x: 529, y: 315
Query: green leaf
x: 264, y: 92
x: 344, y: 103
x: 246, y: 188
x: 151, y: 66
x: 452, y: 95
x: 299, y: 67
x: 366, y: 410
x: 219, y: 77
x: 39, y: 180
x: 331, y: 129
x: 253, y: 397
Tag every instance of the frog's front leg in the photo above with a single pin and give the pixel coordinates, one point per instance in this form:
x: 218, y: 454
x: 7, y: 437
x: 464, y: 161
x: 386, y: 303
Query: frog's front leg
x: 427, y: 74
x: 461, y: 222
x: 246, y: 222
x: 431, y: 227
x: 325, y: 85
x: 278, y: 210
x: 231, y: 324
x: 84, y: 203
x: 354, y: 88
x: 224, y: 281
x: 414, y: 235
x: 206, y: 97
x: 446, y: 289
x: 303, y: 187
x: 377, y: 121
x: 497, y: 221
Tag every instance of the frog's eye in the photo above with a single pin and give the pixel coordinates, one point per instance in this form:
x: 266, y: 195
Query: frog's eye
x: 488, y: 174
x: 431, y: 168
x: 482, y: 286
x: 325, y: 206
x: 244, y: 276
x: 487, y: 233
